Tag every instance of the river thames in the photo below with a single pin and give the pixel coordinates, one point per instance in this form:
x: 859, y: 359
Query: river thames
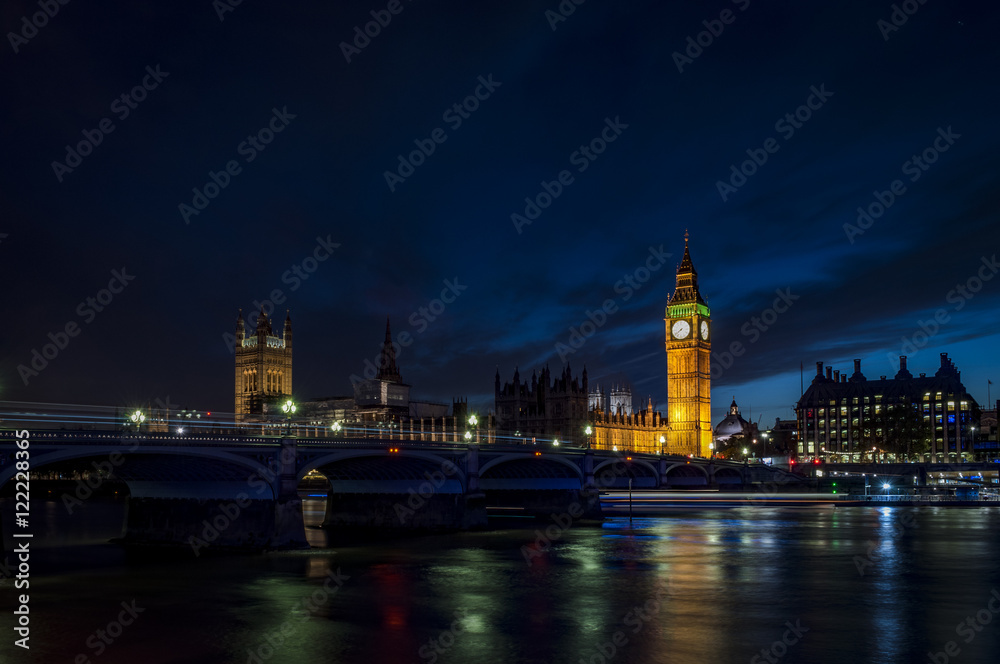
x: 693, y: 586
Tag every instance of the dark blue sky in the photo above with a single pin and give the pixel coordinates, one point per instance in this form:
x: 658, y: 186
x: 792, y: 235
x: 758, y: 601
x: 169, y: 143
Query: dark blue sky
x: 553, y: 91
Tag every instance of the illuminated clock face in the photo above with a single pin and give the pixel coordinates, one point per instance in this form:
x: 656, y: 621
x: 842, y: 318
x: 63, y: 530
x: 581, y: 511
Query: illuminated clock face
x: 681, y: 329
x: 704, y: 330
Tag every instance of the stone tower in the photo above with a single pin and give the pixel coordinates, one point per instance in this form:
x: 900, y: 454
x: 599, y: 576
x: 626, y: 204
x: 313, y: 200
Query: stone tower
x: 689, y: 347
x: 263, y: 366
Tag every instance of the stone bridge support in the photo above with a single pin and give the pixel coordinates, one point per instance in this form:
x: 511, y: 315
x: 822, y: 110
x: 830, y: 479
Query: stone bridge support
x: 430, y: 494
x: 250, y: 514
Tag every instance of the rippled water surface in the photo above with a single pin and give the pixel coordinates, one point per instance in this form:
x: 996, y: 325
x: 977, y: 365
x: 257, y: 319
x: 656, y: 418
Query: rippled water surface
x: 691, y: 586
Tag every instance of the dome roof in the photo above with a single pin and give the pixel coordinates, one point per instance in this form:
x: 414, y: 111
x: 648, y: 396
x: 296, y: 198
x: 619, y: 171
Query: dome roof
x: 733, y: 424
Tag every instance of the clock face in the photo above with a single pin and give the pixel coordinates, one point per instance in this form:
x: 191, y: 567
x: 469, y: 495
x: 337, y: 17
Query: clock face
x: 681, y: 329
x: 704, y: 330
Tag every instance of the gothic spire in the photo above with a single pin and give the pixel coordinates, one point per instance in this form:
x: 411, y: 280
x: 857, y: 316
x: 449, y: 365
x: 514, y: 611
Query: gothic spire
x: 687, y: 280
x: 387, y: 365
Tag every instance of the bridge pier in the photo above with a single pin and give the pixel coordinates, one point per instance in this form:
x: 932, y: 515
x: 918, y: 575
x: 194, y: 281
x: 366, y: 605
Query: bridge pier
x: 289, y: 527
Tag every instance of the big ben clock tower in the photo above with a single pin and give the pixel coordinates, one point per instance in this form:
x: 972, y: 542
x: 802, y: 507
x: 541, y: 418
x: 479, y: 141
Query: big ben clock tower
x: 689, y: 347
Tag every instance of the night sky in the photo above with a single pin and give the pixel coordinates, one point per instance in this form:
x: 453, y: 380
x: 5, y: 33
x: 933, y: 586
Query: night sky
x: 884, y: 96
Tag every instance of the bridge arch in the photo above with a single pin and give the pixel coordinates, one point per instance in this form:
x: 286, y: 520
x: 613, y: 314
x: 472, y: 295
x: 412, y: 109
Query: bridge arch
x: 373, y: 471
x: 520, y: 471
x: 615, y: 473
x: 225, y: 475
x: 687, y: 474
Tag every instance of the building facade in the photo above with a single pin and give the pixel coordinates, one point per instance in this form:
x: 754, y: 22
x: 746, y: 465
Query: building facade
x: 689, y: 348
x: 263, y: 366
x: 847, y: 417
x: 642, y: 431
x: 544, y: 406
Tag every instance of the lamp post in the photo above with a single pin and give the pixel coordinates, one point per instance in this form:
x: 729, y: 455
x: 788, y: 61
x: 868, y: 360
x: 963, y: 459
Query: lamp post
x: 589, y: 430
x: 138, y: 418
x: 474, y: 423
x: 289, y: 409
x: 662, y: 441
x: 711, y: 450
x: 336, y: 427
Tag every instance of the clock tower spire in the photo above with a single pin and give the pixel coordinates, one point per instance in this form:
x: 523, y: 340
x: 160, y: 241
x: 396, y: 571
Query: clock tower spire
x: 689, y: 348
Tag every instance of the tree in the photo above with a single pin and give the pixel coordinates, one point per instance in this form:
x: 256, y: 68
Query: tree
x: 732, y: 447
x: 904, y: 430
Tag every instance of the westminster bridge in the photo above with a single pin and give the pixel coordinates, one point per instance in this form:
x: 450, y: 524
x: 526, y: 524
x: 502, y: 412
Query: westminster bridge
x: 247, y: 485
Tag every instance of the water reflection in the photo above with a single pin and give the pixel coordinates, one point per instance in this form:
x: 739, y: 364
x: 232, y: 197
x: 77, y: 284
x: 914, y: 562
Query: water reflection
x: 725, y: 585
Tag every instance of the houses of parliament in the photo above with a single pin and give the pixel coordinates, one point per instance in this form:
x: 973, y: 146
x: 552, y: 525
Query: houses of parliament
x: 546, y: 406
x: 564, y: 406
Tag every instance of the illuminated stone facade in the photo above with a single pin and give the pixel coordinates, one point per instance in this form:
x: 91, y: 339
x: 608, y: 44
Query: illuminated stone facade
x: 644, y: 431
x: 689, y: 347
x: 263, y: 366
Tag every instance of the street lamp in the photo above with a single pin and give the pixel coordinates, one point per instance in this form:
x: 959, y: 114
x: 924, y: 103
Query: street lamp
x: 662, y: 441
x: 336, y: 427
x: 289, y: 409
x: 474, y: 423
x: 555, y: 442
x: 588, y: 431
x: 711, y: 450
x: 468, y: 435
